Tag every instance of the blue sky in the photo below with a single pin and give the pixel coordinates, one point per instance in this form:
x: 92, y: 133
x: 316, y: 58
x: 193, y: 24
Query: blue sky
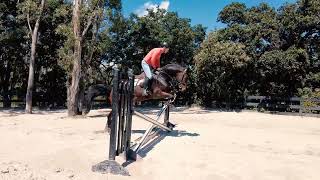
x: 203, y: 12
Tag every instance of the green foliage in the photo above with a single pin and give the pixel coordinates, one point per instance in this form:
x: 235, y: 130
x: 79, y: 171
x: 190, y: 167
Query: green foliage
x: 256, y: 27
x: 310, y: 98
x: 283, y: 46
x: 13, y: 53
x: 233, y: 14
x: 262, y: 51
x: 28, y: 8
x: 95, y: 41
x: 219, y: 69
x: 281, y: 73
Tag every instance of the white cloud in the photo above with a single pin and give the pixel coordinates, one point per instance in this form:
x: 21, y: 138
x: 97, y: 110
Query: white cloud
x: 164, y: 5
x: 143, y: 10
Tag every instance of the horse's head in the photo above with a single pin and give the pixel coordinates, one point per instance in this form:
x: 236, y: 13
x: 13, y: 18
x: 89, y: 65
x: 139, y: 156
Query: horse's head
x: 178, y: 73
x: 182, y: 78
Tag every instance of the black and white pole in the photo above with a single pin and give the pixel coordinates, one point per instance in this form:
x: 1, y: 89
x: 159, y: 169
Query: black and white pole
x: 147, y: 135
x: 110, y: 165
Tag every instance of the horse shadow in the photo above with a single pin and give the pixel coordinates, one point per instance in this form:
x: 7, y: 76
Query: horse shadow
x: 143, y: 152
x: 98, y: 116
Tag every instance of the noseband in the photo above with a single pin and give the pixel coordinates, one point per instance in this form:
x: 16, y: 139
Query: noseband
x: 174, y: 82
x: 182, y: 80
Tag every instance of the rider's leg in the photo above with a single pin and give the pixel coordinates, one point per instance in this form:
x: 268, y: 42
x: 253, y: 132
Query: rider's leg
x: 149, y: 83
x: 147, y: 71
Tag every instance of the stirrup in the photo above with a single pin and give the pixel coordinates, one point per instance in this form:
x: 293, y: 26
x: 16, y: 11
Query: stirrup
x: 145, y: 92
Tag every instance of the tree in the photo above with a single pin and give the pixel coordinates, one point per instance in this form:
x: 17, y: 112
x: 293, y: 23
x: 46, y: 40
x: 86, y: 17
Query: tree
x: 12, y: 68
x: 283, y: 45
x: 33, y: 13
x: 282, y: 73
x: 219, y: 68
x: 256, y: 27
x: 50, y: 78
x: 81, y: 46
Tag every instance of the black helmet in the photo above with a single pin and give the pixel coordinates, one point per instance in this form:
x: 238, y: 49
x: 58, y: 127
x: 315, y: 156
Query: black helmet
x: 165, y: 45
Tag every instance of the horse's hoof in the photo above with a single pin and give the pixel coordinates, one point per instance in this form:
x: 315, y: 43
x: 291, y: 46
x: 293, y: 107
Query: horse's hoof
x: 107, y: 130
x: 170, y: 125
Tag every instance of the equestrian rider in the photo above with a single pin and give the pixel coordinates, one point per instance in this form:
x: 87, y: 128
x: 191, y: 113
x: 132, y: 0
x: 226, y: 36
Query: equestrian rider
x: 152, y: 62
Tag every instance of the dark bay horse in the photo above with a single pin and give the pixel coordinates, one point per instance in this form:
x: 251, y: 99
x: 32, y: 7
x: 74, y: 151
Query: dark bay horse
x: 167, y: 81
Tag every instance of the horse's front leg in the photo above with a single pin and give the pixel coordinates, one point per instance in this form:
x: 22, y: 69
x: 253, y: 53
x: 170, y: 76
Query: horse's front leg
x: 166, y: 120
x: 165, y: 95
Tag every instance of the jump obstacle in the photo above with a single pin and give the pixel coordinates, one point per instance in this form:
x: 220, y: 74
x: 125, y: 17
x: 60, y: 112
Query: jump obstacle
x: 121, y: 124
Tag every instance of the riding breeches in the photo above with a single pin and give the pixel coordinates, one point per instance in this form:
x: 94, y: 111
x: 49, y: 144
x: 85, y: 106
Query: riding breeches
x: 146, y: 68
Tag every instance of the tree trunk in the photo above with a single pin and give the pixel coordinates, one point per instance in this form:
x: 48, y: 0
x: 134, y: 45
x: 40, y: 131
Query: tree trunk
x: 75, y: 82
x: 76, y: 72
x: 31, y: 72
x: 6, y: 96
x: 5, y: 86
x: 34, y: 40
x: 75, y: 88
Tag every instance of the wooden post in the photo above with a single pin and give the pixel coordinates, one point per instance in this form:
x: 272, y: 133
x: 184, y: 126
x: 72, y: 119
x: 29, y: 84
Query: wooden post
x: 301, y: 106
x: 116, y: 129
x: 166, y: 115
x: 123, y: 120
x: 121, y: 116
x: 128, y: 128
x: 114, y: 121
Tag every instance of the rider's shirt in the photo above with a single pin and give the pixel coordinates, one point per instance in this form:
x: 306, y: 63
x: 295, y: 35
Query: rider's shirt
x: 153, y: 57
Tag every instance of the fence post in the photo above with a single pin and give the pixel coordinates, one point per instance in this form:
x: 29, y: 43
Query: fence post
x: 130, y: 90
x: 113, y: 127
x: 301, y: 109
x: 166, y: 115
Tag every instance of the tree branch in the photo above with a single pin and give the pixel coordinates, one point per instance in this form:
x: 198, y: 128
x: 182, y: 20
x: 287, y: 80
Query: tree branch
x: 28, y: 20
x: 90, y: 19
x: 39, y: 17
x: 88, y: 25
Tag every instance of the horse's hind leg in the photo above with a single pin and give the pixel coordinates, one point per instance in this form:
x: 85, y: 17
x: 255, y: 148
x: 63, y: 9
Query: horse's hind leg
x: 108, y: 124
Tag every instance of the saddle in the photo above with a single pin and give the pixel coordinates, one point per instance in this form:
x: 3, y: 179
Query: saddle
x: 156, y: 78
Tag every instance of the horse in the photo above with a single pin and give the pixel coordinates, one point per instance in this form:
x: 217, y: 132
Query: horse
x: 166, y: 82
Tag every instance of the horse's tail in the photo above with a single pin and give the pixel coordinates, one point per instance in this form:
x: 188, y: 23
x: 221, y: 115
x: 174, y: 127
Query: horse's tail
x: 94, y: 91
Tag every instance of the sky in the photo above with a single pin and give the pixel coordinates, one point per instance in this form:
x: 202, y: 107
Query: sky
x: 203, y: 12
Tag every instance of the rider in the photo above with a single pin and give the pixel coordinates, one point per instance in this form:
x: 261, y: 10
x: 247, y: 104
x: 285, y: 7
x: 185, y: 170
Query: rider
x: 150, y: 62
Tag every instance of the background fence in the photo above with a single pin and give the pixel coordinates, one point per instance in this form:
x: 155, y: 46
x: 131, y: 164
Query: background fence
x: 261, y: 103
x: 292, y: 104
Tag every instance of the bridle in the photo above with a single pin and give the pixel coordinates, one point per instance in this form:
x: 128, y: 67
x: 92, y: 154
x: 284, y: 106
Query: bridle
x: 174, y: 82
x: 182, y: 82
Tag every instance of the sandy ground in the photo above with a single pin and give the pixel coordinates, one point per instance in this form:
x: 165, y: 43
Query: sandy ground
x: 205, y: 145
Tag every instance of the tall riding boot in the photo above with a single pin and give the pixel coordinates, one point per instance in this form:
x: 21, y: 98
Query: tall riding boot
x: 146, y: 86
x: 150, y: 84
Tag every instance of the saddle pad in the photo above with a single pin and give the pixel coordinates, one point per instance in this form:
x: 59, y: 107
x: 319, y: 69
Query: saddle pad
x: 138, y: 82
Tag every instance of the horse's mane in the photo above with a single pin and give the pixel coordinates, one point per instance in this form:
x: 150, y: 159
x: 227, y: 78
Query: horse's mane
x: 172, y: 68
x: 169, y: 71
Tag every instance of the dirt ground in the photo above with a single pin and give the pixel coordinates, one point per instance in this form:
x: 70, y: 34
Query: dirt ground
x: 205, y: 145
